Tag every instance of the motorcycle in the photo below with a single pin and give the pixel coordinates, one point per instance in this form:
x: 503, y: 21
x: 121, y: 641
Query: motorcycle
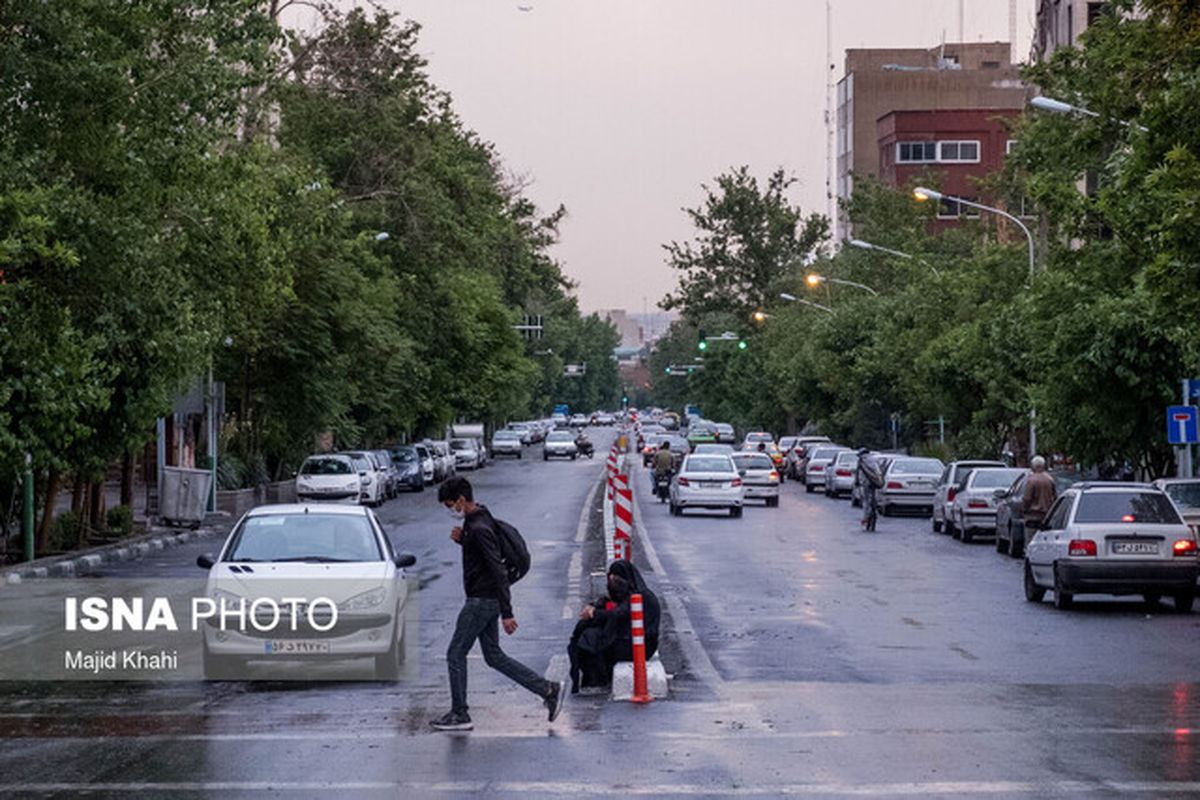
x: 585, y: 447
x: 662, y: 486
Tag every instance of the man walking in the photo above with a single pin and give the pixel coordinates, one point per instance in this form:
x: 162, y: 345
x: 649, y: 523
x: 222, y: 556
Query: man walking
x: 1039, y: 495
x: 485, y: 581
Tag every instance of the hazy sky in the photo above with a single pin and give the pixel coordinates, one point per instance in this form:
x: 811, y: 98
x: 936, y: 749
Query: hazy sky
x: 621, y: 109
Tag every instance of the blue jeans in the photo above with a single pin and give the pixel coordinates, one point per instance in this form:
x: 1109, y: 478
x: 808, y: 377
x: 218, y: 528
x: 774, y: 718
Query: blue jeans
x: 480, y: 619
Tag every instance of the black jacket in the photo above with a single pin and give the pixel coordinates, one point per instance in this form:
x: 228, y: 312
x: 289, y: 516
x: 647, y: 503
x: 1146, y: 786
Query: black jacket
x: 616, y: 624
x: 484, y: 574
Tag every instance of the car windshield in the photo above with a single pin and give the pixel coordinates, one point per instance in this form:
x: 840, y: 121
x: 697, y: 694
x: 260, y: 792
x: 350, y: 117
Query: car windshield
x: 823, y: 453
x: 318, y: 538
x: 846, y: 457
x: 759, y: 437
x: 753, y: 461
x: 1126, y: 506
x: 326, y: 466
x: 461, y: 444
x: 994, y: 478
x: 1185, y: 495
x: 678, y: 443
x: 918, y: 466
x: 709, y: 464
x: 560, y: 436
x: 404, y: 455
x: 714, y: 449
x: 507, y: 435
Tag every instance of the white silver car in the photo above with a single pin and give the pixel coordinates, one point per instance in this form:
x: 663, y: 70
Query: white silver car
x: 374, y: 490
x: 428, y: 464
x: 760, y: 477
x: 947, y: 484
x: 817, y: 464
x: 467, y: 453
x: 330, y: 478
x: 973, y: 511
x: 839, y: 475
x: 560, y: 444
x: 909, y: 483
x: 507, y: 443
x: 311, y: 582
x: 707, y: 482
x: 1113, y: 538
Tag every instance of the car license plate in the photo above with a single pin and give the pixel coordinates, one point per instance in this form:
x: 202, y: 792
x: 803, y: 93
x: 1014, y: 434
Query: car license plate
x: 289, y: 647
x: 710, y: 484
x: 1140, y: 548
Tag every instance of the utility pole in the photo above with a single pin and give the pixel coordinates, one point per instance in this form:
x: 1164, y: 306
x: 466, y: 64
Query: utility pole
x: 27, y: 507
x: 830, y: 113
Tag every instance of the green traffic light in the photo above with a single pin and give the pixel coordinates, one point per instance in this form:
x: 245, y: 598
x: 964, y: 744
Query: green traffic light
x: 742, y: 344
x: 703, y: 345
x: 667, y: 370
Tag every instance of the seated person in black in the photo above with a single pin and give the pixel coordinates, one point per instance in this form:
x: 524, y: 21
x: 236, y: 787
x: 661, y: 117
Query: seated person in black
x: 603, y: 636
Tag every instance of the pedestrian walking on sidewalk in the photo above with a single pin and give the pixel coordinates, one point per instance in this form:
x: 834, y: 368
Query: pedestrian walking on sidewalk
x: 488, y: 605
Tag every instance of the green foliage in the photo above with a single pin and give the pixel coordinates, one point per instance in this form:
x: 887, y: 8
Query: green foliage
x: 119, y: 520
x: 66, y: 532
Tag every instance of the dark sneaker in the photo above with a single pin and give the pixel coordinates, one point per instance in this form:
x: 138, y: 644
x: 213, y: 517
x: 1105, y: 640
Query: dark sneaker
x: 452, y: 722
x: 554, y: 700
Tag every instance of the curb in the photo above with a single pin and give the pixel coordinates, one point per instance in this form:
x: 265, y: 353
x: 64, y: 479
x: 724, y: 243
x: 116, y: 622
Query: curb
x: 70, y: 565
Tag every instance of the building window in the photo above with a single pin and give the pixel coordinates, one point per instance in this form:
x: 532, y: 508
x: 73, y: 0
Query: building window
x: 952, y: 209
x: 1094, y: 10
x: 916, y: 152
x: 990, y: 65
x: 1009, y: 146
x: 1026, y: 209
x: 958, y: 152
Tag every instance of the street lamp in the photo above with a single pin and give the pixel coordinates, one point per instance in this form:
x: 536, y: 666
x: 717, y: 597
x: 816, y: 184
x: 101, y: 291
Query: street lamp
x: 814, y: 280
x: 922, y: 194
x: 1059, y: 107
x: 759, y: 316
x: 794, y: 299
x: 859, y: 243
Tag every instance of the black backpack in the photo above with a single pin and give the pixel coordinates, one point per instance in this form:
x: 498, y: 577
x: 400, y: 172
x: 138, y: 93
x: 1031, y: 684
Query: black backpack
x: 513, y: 551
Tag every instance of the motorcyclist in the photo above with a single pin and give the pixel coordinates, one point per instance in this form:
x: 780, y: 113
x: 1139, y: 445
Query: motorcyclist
x: 582, y: 442
x: 664, y: 462
x: 870, y: 477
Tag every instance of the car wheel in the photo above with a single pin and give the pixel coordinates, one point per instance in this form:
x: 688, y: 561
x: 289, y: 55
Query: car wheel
x: 388, y: 665
x: 937, y: 524
x: 1151, y: 598
x: 1184, y: 602
x: 809, y: 488
x: 545, y: 457
x: 222, y: 668
x: 574, y: 456
x: 968, y: 535
x: 1062, y: 598
x: 735, y: 512
x: 1001, y: 544
x: 1033, y: 592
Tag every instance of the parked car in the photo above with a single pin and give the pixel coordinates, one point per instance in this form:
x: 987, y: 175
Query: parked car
x: 338, y: 553
x: 374, y: 491
x: 1010, y: 520
x: 801, y: 450
x: 507, y: 443
x: 760, y: 476
x: 1113, y: 538
x: 392, y: 476
x: 410, y: 467
x: 560, y: 444
x: 331, y: 478
x: 973, y: 511
x: 428, y: 463
x: 857, y: 493
x: 944, y: 491
x: 524, y: 431
x: 443, y: 458
x: 839, y: 475
x: 817, y: 463
x: 1185, y: 494
x: 725, y: 434
x: 909, y: 483
x: 707, y: 482
x: 467, y: 453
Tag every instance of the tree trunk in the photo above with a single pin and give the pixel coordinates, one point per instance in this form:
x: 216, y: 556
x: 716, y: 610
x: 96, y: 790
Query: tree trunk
x: 77, y: 496
x: 96, y: 506
x: 43, y: 533
x: 127, y: 479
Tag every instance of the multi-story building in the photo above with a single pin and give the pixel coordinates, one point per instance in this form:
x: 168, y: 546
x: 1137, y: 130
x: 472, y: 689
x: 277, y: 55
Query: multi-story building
x: 958, y: 146
x: 877, y: 82
x: 1060, y: 22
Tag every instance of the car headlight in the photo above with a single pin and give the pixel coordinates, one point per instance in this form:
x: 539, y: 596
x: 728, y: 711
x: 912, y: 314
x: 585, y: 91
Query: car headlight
x: 225, y: 598
x: 364, y: 600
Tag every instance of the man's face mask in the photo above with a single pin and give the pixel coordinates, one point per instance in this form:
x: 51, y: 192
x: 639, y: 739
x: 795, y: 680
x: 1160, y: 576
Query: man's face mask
x: 456, y: 512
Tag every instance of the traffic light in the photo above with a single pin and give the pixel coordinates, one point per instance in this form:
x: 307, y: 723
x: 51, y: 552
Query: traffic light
x: 667, y: 370
x: 702, y: 343
x: 741, y: 344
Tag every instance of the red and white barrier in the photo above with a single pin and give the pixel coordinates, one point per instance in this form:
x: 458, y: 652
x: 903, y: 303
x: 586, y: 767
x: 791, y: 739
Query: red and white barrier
x: 623, y: 517
x: 640, y: 693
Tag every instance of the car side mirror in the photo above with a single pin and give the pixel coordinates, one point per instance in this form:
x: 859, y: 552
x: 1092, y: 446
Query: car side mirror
x: 206, y: 561
x: 742, y: 472
x: 999, y: 493
x: 405, y: 560
x: 362, y: 474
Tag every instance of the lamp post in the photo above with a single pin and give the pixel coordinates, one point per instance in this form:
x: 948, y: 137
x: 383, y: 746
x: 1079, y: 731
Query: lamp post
x: 1059, y: 107
x: 814, y: 280
x: 794, y: 299
x: 922, y: 194
x: 859, y: 243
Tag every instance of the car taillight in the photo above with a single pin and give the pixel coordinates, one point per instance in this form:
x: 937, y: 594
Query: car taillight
x: 684, y: 482
x: 736, y: 482
x: 1081, y: 547
x: 817, y: 468
x: 977, y: 504
x: 844, y: 473
x: 1185, y: 547
x: 774, y: 476
x: 894, y: 485
x: 1128, y: 518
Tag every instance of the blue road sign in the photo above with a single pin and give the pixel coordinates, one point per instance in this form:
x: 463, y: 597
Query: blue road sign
x: 1193, y: 388
x: 1181, y: 425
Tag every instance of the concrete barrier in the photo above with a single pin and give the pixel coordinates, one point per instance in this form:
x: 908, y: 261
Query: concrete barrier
x: 656, y: 680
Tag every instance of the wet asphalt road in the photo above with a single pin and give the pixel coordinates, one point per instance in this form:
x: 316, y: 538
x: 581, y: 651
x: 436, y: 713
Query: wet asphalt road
x: 810, y: 660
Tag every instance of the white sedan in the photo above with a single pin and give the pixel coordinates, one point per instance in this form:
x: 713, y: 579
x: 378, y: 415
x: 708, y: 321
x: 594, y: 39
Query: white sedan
x: 760, y: 478
x: 707, y: 481
x: 304, y: 583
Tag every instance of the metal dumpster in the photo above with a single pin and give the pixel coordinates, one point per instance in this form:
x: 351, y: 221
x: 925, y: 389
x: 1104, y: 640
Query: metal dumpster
x: 184, y: 496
